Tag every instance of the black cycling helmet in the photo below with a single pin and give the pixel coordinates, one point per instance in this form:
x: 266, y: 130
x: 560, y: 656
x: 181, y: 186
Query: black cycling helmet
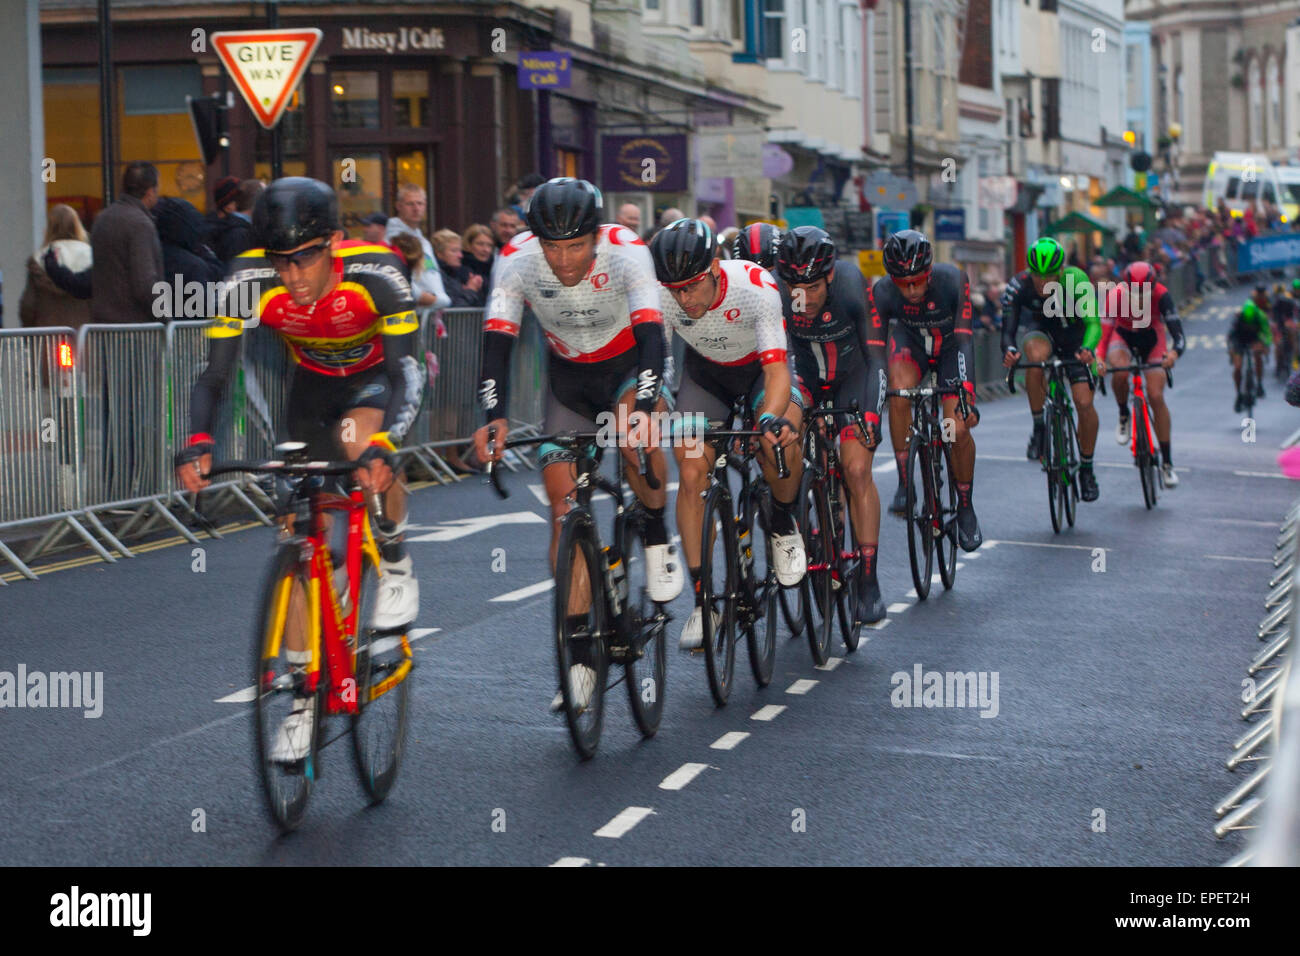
x: 682, y: 250
x: 564, y: 208
x: 907, y: 253
x: 757, y: 243
x: 805, y: 254
x: 294, y: 210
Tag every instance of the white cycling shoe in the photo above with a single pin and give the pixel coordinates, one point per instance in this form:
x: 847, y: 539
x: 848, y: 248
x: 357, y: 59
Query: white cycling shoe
x: 398, y: 600
x: 789, y: 559
x: 663, y: 572
x: 693, y: 632
x: 1121, y: 431
x: 1168, y: 477
x: 293, y: 740
x: 582, y: 681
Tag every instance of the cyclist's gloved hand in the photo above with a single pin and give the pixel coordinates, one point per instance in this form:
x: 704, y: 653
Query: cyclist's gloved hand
x: 776, y: 427
x: 1010, y: 357
x: 193, y: 461
x: 972, y: 412
x: 380, y: 463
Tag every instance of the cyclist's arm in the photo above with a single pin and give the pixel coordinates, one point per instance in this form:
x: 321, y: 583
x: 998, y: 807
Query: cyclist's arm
x: 205, y: 397
x: 1169, y: 314
x: 770, y: 339
x: 1011, y: 306
x: 406, y: 389
x: 1085, y: 308
x: 643, y: 290
x: 1107, y: 321
x: 962, y: 326
x: 501, y: 322
x: 872, y: 328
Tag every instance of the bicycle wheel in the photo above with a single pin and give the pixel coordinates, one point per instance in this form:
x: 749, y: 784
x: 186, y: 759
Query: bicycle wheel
x: 381, y: 665
x: 282, y: 612
x: 1069, y: 466
x: 821, y: 569
x: 1052, y: 466
x: 647, y: 667
x: 1248, y: 381
x: 719, y: 575
x: 945, y: 484
x: 1145, y: 461
x: 580, y: 636
x: 920, y: 524
x: 794, y: 600
x: 758, y: 583
x: 846, y: 599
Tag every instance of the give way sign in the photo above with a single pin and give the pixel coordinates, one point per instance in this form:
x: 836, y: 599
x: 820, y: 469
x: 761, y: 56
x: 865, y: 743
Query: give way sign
x: 266, y: 65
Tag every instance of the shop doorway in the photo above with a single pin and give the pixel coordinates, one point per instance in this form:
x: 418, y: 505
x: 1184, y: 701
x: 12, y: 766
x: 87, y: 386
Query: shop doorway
x: 368, y: 179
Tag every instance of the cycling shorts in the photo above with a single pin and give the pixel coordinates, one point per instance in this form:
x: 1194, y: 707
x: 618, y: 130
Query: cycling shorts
x: 709, y: 390
x: 317, y: 403
x: 922, y: 351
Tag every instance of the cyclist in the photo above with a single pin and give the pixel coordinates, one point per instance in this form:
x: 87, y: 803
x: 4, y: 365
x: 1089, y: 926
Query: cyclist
x: 1139, y: 319
x: 1249, y: 333
x: 757, y: 243
x: 592, y: 287
x: 840, y: 346
x: 1283, y: 311
x: 729, y: 314
x: 344, y: 309
x: 930, y: 308
x: 1063, y: 307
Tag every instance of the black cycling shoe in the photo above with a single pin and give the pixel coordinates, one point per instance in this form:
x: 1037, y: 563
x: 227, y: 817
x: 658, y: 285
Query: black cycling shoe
x: 899, y: 505
x: 1035, y: 449
x: 1088, y: 489
x: 1238, y: 404
x: 1259, y: 390
x: 871, y: 606
x: 968, y: 529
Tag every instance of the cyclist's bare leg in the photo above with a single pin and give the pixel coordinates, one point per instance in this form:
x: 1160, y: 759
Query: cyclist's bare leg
x: 1156, y: 399
x: 1037, y: 347
x: 694, y: 459
x: 903, y: 373
x: 655, y: 460
x: 1235, y: 358
x: 784, y: 489
x: 1118, y: 355
x: 560, y: 479
x: 1260, y: 351
x: 1088, y: 421
x: 864, y: 498
x: 963, y: 445
x: 355, y: 428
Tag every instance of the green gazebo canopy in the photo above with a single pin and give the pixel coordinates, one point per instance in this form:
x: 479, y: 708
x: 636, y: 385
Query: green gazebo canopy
x: 1082, y: 222
x: 1124, y: 196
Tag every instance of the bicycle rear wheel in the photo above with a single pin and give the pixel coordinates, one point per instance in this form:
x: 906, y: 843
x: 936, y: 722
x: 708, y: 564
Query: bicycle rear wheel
x: 1145, y: 461
x: 945, y: 484
x: 647, y: 667
x: 822, y: 561
x: 381, y: 665
x: 284, y: 612
x: 758, y: 585
x: 846, y: 599
x: 580, y: 636
x: 920, y: 524
x: 1052, y: 466
x: 1069, y: 466
x: 719, y: 574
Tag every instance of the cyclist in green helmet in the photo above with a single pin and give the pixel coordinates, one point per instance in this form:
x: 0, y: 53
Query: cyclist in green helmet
x: 1062, y: 307
x: 1249, y: 333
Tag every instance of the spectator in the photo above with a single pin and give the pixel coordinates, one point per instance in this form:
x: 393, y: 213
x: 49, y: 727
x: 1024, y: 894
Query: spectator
x: 523, y: 192
x: 426, y: 283
x: 710, y: 222
x: 1076, y: 259
x: 128, y: 259
x: 464, y: 287
x: 480, y: 254
x: 505, y: 224
x: 411, y: 205
x: 373, y: 228
x: 223, y: 204
x: 237, y: 235
x: 629, y: 215
x: 186, y: 258
x: 44, y: 303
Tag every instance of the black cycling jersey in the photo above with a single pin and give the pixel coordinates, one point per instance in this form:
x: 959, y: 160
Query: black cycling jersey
x: 1284, y: 308
x: 942, y: 317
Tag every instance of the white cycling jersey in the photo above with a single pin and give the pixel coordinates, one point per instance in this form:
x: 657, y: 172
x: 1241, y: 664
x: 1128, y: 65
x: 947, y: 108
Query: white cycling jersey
x: 591, y: 321
x: 744, y: 324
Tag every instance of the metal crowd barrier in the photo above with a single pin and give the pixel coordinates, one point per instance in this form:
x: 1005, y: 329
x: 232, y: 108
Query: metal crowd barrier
x: 90, y: 421
x: 1272, y: 702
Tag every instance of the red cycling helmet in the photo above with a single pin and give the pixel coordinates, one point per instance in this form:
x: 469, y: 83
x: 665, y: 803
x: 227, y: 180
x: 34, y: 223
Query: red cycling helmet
x: 1139, y: 272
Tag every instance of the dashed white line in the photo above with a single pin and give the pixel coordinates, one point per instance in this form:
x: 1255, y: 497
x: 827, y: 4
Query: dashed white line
x: 1096, y: 464
x: 1044, y: 544
x: 571, y: 861
x: 770, y: 712
x: 1233, y: 557
x: 898, y: 608
x: 1252, y: 474
x: 830, y: 664
x: 879, y: 625
x: 527, y: 592
x: 625, y: 821
x: 682, y: 776
x: 801, y: 686
x: 729, y: 741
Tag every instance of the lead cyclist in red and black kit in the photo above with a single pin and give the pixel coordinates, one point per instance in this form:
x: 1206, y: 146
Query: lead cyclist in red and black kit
x: 839, y: 346
x: 593, y: 290
x: 344, y: 309
x: 930, y: 310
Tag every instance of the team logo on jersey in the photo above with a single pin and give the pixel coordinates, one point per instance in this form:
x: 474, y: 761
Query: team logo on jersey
x: 929, y: 305
x: 574, y: 313
x: 340, y: 303
x: 548, y: 293
x: 732, y: 315
x: 600, y: 280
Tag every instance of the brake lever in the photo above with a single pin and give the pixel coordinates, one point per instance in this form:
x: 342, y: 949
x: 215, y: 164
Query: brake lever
x: 644, y: 469
x: 493, y: 473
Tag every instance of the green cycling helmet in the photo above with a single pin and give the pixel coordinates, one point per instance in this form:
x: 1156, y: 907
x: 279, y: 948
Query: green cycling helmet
x: 1250, y: 312
x: 1295, y: 285
x: 1046, y: 257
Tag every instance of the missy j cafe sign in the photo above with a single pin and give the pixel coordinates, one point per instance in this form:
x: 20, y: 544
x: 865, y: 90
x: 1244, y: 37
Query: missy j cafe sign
x: 644, y: 163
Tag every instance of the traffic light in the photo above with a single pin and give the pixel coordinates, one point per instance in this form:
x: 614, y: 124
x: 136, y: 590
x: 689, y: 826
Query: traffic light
x: 1140, y: 162
x: 208, y: 114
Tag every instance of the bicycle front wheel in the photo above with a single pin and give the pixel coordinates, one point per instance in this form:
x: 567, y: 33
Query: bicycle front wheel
x: 719, y: 575
x: 647, y: 663
x: 1145, y: 461
x: 920, y: 520
x: 381, y: 665
x: 581, y: 654
x: 759, y: 585
x: 794, y: 600
x: 822, y: 564
x: 945, y: 485
x: 1069, y: 466
x: 1052, y: 466
x: 287, y: 752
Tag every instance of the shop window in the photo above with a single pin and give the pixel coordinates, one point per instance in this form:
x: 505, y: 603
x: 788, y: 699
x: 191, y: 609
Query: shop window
x: 411, y: 99
x: 354, y: 99
x: 154, y: 125
x: 70, y: 96
x: 359, y: 180
x: 566, y: 162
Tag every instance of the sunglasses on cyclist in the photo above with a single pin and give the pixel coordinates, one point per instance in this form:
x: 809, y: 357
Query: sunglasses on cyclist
x: 281, y: 261
x: 908, y: 283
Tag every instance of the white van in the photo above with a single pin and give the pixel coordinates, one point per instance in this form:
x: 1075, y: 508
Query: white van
x: 1289, y: 177
x: 1245, y: 180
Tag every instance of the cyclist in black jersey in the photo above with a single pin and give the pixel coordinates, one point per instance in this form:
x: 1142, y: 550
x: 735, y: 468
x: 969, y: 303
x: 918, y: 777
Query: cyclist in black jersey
x: 931, y: 312
x: 838, y: 345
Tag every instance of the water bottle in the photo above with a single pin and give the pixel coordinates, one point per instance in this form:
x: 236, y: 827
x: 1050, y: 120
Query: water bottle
x: 617, y: 578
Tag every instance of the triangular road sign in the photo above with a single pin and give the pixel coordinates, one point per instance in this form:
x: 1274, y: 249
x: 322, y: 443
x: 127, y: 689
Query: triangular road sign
x: 266, y: 65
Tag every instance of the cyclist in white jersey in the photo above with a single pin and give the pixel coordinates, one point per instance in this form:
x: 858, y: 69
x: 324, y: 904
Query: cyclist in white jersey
x: 593, y: 290
x: 729, y: 314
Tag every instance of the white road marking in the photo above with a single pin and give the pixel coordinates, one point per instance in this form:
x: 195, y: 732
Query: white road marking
x: 801, y: 686
x: 249, y: 694
x: 1246, y: 521
x: 728, y: 741
x: 888, y: 466
x: 682, y: 776
x: 934, y: 753
x: 898, y: 608
x: 1230, y: 557
x: 527, y: 592
x: 973, y: 554
x: 1250, y: 474
x: 625, y: 821
x: 1096, y: 464
x: 571, y: 861
x: 879, y: 625
x: 539, y: 492
x: 770, y: 712
x: 830, y: 665
x: 1044, y: 544
x: 464, y: 527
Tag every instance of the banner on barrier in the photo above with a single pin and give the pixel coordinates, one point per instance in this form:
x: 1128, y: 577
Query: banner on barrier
x: 1269, y: 252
